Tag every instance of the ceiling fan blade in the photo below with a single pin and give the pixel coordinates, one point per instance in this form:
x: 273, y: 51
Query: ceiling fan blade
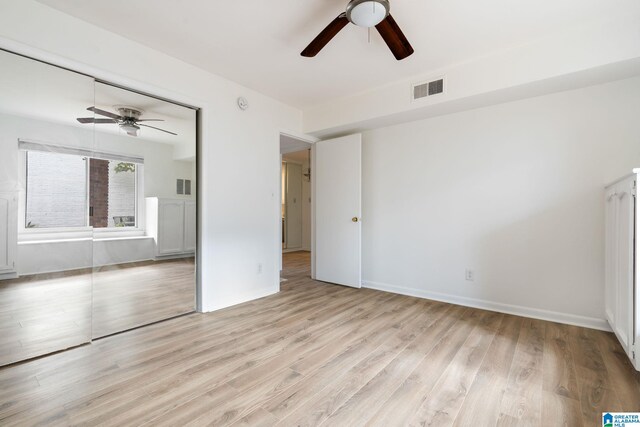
x: 325, y: 36
x: 394, y: 38
x: 96, y: 121
x: 150, y: 120
x: 162, y: 130
x: 104, y: 113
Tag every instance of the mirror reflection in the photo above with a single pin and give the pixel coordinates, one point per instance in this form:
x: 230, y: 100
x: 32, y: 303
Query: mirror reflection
x: 143, y: 217
x: 46, y: 246
x: 97, y: 209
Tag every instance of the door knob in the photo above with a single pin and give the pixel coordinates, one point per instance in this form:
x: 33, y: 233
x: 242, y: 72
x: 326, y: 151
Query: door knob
x: 354, y: 219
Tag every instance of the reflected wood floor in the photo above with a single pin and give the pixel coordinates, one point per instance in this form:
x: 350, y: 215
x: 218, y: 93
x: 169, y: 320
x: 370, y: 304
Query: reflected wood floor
x: 126, y: 296
x: 43, y: 313
x: 323, y: 354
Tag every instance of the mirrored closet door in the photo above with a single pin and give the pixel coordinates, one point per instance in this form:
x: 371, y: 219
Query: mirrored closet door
x: 97, y: 209
x: 46, y: 237
x: 143, y: 210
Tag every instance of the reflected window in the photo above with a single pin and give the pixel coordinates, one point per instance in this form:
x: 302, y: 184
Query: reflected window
x: 112, y: 193
x: 66, y: 190
x: 56, y: 190
x: 122, y: 194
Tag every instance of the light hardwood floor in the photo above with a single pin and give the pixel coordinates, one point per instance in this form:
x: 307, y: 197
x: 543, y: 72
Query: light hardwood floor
x: 126, y: 296
x: 324, y: 354
x: 43, y: 313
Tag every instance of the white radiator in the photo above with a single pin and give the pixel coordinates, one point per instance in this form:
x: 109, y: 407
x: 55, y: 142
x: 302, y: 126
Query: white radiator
x: 622, y: 296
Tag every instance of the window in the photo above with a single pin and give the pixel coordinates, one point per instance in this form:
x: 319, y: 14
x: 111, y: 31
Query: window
x: 56, y: 190
x: 72, y: 190
x: 122, y: 194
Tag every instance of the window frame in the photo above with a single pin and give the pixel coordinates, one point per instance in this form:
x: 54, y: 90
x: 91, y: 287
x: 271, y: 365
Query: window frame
x: 71, y: 233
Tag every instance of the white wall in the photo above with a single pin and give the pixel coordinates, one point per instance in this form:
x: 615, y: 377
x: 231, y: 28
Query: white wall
x: 599, y: 52
x: 47, y: 257
x: 512, y: 191
x: 237, y: 221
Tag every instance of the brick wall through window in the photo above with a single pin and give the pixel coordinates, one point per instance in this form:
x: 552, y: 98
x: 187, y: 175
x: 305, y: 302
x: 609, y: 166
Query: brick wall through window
x: 99, y: 193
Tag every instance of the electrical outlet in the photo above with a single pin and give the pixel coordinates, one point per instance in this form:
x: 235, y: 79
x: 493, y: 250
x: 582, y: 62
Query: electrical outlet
x: 469, y: 275
x: 259, y: 268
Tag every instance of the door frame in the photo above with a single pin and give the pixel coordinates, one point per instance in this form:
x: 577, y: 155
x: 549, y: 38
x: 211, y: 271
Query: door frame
x: 306, y: 142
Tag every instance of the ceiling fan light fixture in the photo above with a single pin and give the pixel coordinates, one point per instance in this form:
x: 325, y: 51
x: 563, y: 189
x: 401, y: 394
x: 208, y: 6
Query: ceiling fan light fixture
x: 130, y: 128
x: 367, y: 13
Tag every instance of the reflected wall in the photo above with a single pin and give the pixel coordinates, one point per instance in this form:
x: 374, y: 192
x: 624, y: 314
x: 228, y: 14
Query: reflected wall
x: 47, y: 256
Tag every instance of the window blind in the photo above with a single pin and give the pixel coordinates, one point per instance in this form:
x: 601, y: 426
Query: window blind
x: 27, y: 145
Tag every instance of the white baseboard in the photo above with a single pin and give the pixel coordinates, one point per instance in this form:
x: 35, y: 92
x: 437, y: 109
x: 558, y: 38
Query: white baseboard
x: 8, y: 275
x: 518, y: 310
x: 244, y: 297
x: 175, y: 256
x: 284, y: 251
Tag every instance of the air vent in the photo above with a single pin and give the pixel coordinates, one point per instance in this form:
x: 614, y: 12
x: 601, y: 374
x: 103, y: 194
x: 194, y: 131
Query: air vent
x: 436, y: 87
x: 423, y: 90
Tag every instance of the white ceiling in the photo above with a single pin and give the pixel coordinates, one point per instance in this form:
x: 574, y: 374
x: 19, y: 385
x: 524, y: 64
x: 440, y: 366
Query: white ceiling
x: 289, y: 144
x: 297, y: 156
x: 41, y: 91
x: 257, y: 43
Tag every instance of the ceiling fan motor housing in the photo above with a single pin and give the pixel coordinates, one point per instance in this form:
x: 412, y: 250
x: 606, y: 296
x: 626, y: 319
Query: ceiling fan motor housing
x: 129, y: 112
x: 367, y: 13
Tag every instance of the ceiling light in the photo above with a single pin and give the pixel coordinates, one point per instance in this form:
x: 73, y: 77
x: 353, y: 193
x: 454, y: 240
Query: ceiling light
x: 367, y: 13
x: 130, y: 128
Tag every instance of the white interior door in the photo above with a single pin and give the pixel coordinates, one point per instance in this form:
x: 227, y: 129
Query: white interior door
x: 337, y: 208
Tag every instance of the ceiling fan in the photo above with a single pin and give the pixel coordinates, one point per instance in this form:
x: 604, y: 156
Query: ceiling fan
x: 365, y: 13
x: 128, y: 120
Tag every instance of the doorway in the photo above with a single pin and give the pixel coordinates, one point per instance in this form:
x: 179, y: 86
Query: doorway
x: 296, y: 202
x: 334, y: 192
x: 295, y: 206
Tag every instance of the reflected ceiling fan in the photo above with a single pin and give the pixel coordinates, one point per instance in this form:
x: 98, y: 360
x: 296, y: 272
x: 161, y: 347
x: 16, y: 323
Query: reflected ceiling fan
x: 128, y: 120
x: 365, y: 13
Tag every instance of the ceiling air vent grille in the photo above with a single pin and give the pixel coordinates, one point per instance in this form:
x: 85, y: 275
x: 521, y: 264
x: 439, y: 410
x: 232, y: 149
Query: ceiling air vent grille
x: 423, y: 90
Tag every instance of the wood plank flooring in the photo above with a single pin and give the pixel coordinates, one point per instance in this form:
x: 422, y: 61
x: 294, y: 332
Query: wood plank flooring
x: 126, y: 296
x: 320, y: 354
x: 43, y: 313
